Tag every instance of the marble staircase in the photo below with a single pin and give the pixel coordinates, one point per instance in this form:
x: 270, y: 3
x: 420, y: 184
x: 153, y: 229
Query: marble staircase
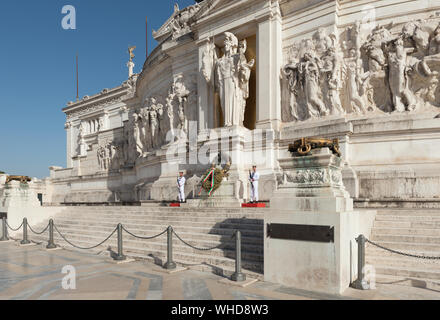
x: 87, y: 226
x: 412, y: 231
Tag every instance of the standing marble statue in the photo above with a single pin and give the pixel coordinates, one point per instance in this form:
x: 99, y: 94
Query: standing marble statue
x: 170, y: 112
x: 231, y: 73
x: 331, y: 70
x: 137, y: 125
x: 179, y: 93
x: 244, y: 75
x: 403, y: 98
x: 82, y: 146
x: 182, y: 97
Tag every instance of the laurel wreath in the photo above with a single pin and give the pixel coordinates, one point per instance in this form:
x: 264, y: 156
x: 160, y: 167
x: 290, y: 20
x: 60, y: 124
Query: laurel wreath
x: 218, y: 175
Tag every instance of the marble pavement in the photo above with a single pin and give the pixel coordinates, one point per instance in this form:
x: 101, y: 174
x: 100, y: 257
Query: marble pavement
x: 31, y: 273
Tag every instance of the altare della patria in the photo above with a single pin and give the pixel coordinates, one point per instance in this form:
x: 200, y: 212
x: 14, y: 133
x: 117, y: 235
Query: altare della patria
x: 310, y: 127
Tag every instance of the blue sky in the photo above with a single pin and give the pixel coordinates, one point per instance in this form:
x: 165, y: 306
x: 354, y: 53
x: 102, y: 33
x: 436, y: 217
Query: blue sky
x: 37, y: 68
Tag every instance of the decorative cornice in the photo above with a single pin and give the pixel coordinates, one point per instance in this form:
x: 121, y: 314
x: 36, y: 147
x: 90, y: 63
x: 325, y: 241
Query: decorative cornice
x: 105, y: 98
x: 91, y: 107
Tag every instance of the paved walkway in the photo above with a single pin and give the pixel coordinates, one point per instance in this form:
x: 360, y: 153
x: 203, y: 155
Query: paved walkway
x: 34, y: 273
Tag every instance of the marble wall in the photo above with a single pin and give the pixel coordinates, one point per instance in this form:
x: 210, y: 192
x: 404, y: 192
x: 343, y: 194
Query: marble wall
x: 365, y: 72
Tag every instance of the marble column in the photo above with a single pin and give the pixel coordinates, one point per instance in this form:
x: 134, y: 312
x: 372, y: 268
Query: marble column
x: 269, y: 63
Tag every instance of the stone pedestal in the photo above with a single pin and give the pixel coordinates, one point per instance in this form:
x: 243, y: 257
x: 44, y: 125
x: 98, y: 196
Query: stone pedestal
x: 313, y: 194
x: 228, y: 195
x: 19, y: 201
x: 19, y: 195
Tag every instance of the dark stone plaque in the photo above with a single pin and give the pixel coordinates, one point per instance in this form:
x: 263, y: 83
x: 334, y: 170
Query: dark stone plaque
x: 301, y: 232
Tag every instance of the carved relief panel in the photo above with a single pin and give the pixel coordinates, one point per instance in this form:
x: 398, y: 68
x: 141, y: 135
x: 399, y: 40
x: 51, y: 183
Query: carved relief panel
x: 390, y: 69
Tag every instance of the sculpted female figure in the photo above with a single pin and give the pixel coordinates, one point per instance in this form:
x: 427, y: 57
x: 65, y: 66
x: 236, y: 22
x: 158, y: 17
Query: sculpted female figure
x: 137, y: 123
x: 355, y: 82
x: 310, y: 70
x: 292, y: 75
x: 170, y: 112
x: 229, y: 84
x: 331, y: 71
x: 182, y: 96
x: 244, y: 76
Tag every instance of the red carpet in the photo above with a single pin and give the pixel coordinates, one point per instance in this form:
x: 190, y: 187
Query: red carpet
x: 253, y: 205
x: 175, y: 205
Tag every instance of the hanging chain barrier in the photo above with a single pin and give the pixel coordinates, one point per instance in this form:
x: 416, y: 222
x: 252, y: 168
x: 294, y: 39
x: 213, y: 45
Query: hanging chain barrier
x: 12, y: 229
x: 145, y: 238
x: 361, y: 283
x: 170, y: 264
x: 82, y: 248
x: 38, y: 233
x: 201, y: 249
x: 401, y: 253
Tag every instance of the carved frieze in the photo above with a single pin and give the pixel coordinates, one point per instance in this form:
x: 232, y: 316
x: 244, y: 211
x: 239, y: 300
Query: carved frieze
x: 392, y: 68
x: 93, y: 107
x: 308, y: 177
x: 110, y: 156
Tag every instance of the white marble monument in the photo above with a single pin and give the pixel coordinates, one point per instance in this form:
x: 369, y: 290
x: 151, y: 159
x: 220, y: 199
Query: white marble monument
x: 247, y: 77
x: 312, y: 195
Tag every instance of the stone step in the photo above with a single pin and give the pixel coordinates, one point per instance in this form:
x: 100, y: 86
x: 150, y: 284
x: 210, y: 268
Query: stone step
x: 428, y: 284
x: 180, y: 254
x: 136, y: 219
x: 225, y: 271
x: 405, y: 212
x: 204, y: 228
x: 398, y: 204
x: 242, y: 225
x: 408, y: 247
x: 219, y: 215
x: 398, y: 261
x: 411, y: 218
x: 406, y: 231
x: 411, y: 239
x: 374, y: 251
x: 183, y: 233
x: 151, y: 229
x: 407, y: 224
x: 408, y: 272
x: 166, y: 209
x: 410, y: 231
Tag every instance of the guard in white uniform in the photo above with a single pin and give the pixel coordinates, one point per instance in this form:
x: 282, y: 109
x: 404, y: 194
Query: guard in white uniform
x: 254, y: 177
x: 181, y: 181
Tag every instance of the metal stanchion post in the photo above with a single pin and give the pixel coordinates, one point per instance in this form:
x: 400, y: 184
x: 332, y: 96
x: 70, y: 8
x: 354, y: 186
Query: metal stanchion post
x: 25, y: 240
x: 51, y: 244
x: 170, y: 265
x: 361, y: 283
x: 5, y: 230
x: 238, y: 275
x: 120, y: 256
